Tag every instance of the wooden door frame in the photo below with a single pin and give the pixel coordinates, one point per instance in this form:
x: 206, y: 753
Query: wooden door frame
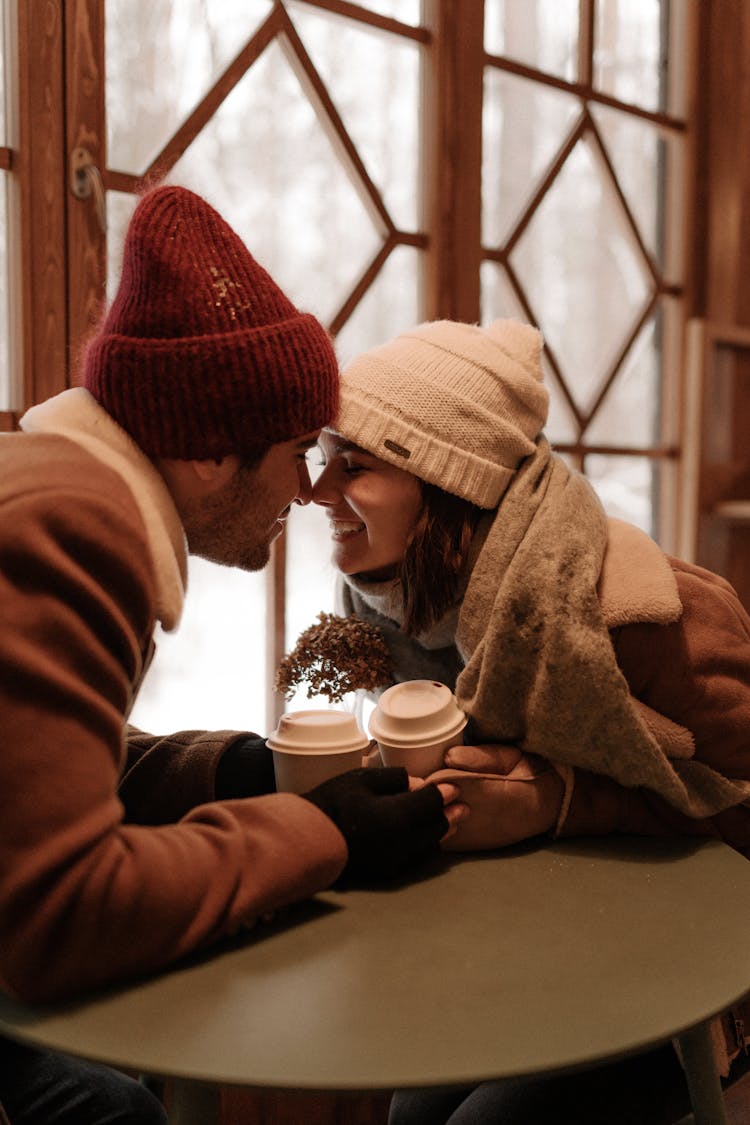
x: 40, y: 198
x: 85, y: 129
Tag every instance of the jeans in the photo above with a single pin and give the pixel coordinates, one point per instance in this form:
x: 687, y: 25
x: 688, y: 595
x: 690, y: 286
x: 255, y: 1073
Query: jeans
x: 39, y: 1087
x: 647, y: 1089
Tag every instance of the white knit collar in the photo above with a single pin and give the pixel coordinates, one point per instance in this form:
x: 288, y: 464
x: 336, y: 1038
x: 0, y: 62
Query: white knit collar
x: 77, y: 415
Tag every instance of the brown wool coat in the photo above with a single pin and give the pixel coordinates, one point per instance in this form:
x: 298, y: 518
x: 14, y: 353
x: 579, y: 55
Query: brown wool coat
x: 88, y: 895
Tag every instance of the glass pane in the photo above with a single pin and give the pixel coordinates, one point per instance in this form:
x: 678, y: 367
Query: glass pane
x: 209, y: 673
x: 634, y: 395
x: 627, y: 487
x: 582, y: 270
x: 310, y: 580
x: 498, y: 297
x: 161, y: 57
x: 638, y: 153
x: 524, y: 125
x: 387, y: 141
x: 7, y: 392
x: 561, y: 422
x: 310, y: 230
x: 8, y: 397
x: 390, y: 305
x: 3, y: 126
x: 540, y: 33
x: 120, y: 207
x: 499, y: 300
x: 629, y: 56
x: 407, y: 11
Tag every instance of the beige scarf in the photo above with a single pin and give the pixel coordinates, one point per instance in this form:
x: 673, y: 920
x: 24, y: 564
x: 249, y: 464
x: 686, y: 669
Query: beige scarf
x: 540, y: 671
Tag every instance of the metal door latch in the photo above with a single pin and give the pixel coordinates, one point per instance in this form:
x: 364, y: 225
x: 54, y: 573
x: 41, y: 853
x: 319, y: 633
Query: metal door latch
x: 86, y: 180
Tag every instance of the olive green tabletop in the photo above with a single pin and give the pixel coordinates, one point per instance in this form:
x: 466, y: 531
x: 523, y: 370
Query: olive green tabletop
x: 536, y: 959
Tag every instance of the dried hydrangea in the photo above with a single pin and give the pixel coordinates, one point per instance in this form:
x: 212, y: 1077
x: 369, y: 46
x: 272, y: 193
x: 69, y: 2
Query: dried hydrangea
x: 336, y: 656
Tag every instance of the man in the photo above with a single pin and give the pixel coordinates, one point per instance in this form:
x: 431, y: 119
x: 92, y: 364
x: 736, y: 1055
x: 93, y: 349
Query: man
x: 119, y: 853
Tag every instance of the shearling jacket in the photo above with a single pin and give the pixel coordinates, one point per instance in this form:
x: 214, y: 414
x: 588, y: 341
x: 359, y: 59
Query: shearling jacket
x: 681, y: 640
x: 92, y: 554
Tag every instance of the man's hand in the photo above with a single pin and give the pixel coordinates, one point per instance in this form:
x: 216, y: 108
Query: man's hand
x: 387, y: 825
x: 511, y: 796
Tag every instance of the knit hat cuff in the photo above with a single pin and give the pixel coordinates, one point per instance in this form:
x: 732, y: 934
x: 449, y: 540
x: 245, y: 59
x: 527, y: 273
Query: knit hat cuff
x: 237, y: 384
x: 396, y: 440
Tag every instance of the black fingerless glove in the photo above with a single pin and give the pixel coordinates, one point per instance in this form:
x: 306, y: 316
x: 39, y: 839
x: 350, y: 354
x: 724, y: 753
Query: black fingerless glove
x: 245, y: 769
x: 387, y: 828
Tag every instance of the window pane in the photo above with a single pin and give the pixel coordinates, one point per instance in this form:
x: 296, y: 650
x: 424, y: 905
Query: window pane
x: 209, y: 673
x: 407, y: 11
x: 387, y: 141
x: 638, y: 153
x: 627, y: 487
x: 524, y: 126
x: 540, y: 33
x: 582, y: 269
x: 499, y: 301
x: 498, y: 296
x: 3, y: 126
x: 295, y: 207
x: 161, y: 58
x: 629, y: 56
x: 634, y: 396
x: 390, y: 305
x: 310, y: 579
x: 7, y: 395
x: 119, y: 209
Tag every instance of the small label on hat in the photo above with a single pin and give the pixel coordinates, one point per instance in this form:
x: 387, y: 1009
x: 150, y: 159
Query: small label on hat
x: 396, y: 448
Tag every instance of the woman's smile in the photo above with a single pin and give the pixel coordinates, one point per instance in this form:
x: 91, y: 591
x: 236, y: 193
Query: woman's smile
x: 372, y: 507
x: 345, y: 529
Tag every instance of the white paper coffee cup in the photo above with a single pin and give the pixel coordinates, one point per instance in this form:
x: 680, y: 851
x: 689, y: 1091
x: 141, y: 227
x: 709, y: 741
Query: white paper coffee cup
x: 415, y: 723
x: 309, y: 747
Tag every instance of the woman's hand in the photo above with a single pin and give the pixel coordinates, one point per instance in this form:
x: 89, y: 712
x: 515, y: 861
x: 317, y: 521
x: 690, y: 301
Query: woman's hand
x: 454, y: 808
x: 487, y: 758
x: 511, y: 796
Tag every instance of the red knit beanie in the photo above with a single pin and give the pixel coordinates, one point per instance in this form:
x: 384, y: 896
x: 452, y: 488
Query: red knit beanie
x: 201, y: 354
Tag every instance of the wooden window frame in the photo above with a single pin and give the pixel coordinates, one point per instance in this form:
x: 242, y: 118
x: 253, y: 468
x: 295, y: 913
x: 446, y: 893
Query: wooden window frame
x: 60, y: 46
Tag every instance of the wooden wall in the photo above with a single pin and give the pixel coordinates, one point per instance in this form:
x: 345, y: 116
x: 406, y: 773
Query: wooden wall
x: 721, y: 230
x: 718, y: 245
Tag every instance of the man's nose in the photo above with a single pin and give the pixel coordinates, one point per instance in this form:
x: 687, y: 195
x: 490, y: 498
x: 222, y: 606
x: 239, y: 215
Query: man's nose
x: 305, y: 490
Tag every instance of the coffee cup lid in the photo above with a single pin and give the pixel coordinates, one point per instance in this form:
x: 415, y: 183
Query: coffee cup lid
x: 416, y: 713
x: 318, y: 732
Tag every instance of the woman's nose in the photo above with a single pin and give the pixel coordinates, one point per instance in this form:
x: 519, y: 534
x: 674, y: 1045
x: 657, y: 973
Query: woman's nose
x: 324, y: 490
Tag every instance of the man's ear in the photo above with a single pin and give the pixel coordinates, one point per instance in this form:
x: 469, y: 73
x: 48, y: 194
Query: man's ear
x: 215, y: 471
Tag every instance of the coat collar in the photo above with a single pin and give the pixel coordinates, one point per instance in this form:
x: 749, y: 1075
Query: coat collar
x: 77, y: 415
x: 637, y: 583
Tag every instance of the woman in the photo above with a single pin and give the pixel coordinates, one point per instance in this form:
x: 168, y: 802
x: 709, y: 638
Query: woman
x: 607, y: 684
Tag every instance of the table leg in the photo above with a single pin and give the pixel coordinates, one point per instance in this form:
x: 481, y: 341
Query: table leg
x: 194, y: 1103
x: 706, y: 1094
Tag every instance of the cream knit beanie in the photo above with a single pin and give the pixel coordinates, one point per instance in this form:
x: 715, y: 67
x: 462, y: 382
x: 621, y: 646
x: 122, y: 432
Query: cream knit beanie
x: 457, y: 405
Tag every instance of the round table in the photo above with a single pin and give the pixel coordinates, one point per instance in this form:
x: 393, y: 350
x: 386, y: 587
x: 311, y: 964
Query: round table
x: 536, y: 959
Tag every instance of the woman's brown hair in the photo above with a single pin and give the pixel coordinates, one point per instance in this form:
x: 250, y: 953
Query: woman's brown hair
x: 435, y: 556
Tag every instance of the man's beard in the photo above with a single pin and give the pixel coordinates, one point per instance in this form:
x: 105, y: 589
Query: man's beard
x: 253, y: 557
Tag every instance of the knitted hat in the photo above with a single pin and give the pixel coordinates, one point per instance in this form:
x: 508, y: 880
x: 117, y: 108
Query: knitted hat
x: 201, y: 354
x: 457, y: 405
